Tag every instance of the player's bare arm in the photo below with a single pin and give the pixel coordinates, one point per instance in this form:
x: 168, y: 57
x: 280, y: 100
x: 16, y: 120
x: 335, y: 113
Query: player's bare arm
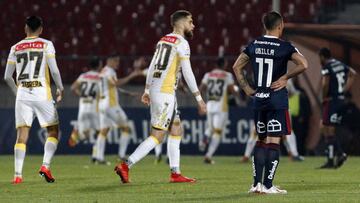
x: 238, y: 67
x: 350, y: 80
x: 325, y: 80
x: 301, y: 65
x: 75, y: 88
x: 146, y: 97
x: 125, y: 80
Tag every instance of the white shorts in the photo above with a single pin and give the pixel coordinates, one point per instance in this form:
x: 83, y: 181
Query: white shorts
x: 163, y: 110
x: 113, y: 117
x: 87, y: 121
x: 216, y: 121
x: 26, y: 111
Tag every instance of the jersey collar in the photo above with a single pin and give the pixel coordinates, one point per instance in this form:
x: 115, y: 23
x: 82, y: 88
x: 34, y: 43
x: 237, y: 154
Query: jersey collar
x: 270, y: 36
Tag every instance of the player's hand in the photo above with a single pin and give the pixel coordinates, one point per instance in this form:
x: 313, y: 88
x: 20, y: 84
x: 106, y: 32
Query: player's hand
x: 145, y: 99
x: 279, y: 84
x: 202, y: 107
x: 59, y: 95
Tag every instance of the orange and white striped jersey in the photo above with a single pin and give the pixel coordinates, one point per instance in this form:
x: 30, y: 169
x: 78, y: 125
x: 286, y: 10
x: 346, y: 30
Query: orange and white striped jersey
x: 89, y: 89
x: 108, y: 91
x: 165, y: 64
x: 32, y: 71
x: 217, y: 82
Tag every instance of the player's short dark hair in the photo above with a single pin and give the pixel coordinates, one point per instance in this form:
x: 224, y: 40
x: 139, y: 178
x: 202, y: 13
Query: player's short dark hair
x: 34, y: 22
x: 94, y: 63
x: 271, y: 20
x: 177, y: 15
x: 220, y: 62
x: 325, y: 52
x: 113, y: 55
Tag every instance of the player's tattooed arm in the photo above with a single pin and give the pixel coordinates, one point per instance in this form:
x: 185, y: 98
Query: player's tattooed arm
x: 301, y: 65
x: 350, y: 79
x: 238, y: 67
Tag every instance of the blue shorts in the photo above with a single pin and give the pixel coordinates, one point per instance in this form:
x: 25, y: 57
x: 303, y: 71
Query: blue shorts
x: 272, y: 123
x: 330, y: 114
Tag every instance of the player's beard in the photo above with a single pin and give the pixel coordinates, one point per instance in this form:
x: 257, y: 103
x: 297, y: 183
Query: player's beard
x: 189, y: 34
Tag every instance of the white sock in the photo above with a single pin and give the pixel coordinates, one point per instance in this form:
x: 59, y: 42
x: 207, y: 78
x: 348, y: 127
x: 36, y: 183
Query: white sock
x: 290, y: 141
x: 19, y: 156
x: 214, y: 144
x: 49, y: 150
x: 250, y: 145
x: 142, y: 150
x: 173, y: 148
x: 94, y: 151
x: 123, y: 143
x: 100, y: 147
x: 158, y: 150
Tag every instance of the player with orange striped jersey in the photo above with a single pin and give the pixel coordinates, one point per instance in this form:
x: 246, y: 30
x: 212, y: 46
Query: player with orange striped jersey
x: 34, y: 60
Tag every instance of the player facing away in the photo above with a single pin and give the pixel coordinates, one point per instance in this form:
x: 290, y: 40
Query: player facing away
x: 111, y: 113
x: 269, y: 56
x: 171, y: 58
x: 217, y: 83
x: 86, y: 86
x: 34, y: 60
x: 337, y: 79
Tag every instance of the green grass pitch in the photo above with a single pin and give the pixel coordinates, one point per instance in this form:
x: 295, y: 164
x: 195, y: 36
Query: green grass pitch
x: 227, y: 181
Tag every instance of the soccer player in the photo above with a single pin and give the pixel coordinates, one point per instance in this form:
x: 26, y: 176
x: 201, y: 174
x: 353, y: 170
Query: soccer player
x: 269, y: 56
x: 32, y: 58
x: 217, y: 84
x: 171, y: 58
x: 86, y: 86
x: 111, y: 114
x: 337, y: 79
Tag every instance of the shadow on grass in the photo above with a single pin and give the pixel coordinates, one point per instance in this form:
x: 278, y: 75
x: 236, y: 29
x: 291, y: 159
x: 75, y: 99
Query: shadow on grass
x: 119, y: 186
x: 233, y: 197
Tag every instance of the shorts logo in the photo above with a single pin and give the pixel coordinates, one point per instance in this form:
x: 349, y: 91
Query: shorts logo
x: 334, y: 118
x: 260, y: 127
x: 274, y: 126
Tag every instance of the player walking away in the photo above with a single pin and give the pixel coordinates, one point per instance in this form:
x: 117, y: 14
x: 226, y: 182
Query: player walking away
x: 86, y: 86
x: 111, y: 114
x: 172, y: 55
x: 217, y: 84
x: 337, y: 79
x: 32, y: 58
x: 269, y: 56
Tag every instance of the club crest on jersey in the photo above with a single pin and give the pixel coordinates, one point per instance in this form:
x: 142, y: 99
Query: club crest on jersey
x: 170, y: 39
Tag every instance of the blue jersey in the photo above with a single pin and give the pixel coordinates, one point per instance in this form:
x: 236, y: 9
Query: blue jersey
x: 269, y: 57
x: 338, y: 73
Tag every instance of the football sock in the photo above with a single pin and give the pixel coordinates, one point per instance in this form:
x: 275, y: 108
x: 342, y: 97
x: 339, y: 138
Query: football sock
x: 100, y: 147
x: 158, y: 150
x: 123, y: 143
x: 19, y: 155
x: 173, y: 147
x: 250, y: 144
x: 330, y: 142
x: 94, y: 151
x: 142, y: 150
x: 339, y: 149
x: 214, y: 144
x: 259, y: 161
x: 290, y: 141
x: 271, y: 163
x: 49, y: 150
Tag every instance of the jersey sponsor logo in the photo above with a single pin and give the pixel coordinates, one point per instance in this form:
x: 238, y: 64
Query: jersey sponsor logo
x: 274, y: 126
x: 29, y: 45
x: 91, y: 77
x: 170, y: 39
x: 266, y: 43
x: 31, y: 84
x: 262, y: 95
x: 217, y: 75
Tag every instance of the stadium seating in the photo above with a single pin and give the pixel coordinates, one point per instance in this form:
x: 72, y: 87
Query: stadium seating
x: 83, y: 28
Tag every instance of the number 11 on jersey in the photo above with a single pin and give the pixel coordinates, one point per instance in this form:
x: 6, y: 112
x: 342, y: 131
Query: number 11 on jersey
x: 269, y: 63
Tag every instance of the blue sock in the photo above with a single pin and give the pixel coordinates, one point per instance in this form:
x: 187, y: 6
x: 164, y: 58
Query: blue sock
x: 259, y: 162
x: 272, y: 162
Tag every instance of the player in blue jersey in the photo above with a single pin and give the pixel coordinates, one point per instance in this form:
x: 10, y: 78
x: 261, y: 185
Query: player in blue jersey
x: 268, y: 56
x: 337, y: 79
